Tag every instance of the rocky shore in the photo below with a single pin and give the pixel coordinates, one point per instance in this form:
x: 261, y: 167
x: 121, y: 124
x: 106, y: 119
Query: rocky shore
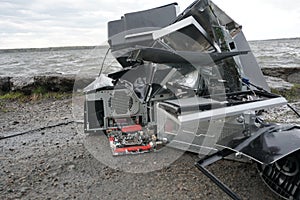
x: 52, y: 161
x: 290, y: 74
x: 278, y: 78
x: 55, y: 163
x: 47, y: 83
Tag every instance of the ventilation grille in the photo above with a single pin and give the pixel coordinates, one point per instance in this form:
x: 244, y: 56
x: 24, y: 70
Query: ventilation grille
x: 284, y: 184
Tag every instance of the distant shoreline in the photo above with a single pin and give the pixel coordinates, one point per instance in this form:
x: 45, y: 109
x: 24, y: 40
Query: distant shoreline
x: 16, y: 50
x: 276, y: 39
x: 45, y: 49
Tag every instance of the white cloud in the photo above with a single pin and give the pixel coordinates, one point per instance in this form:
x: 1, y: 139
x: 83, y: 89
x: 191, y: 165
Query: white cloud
x: 265, y: 19
x: 40, y: 23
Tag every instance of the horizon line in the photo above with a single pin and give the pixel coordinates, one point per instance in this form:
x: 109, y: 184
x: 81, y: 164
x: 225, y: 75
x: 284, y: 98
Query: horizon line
x: 101, y: 46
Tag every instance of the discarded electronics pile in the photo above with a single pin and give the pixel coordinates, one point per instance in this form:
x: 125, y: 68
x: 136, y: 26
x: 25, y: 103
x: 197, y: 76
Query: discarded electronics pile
x: 190, y: 81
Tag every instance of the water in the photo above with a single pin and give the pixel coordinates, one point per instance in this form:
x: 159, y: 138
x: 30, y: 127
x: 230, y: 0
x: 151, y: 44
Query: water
x: 271, y: 53
x: 53, y: 61
x: 277, y: 53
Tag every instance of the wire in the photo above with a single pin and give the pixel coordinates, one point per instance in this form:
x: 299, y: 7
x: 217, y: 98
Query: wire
x: 261, y: 89
x: 103, y: 61
x: 35, y: 130
x: 294, y: 110
x: 248, y: 86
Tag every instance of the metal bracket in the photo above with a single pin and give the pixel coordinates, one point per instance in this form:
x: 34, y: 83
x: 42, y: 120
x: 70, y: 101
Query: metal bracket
x: 201, y: 164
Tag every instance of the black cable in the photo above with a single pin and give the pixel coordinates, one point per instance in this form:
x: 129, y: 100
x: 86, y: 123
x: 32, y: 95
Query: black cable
x: 216, y: 181
x: 289, y: 105
x: 293, y: 109
x: 38, y: 129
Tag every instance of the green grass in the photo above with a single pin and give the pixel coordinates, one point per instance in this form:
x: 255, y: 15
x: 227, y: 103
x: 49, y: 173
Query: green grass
x: 12, y: 96
x: 3, y: 107
x: 39, y: 90
x: 294, y: 93
x: 291, y: 95
x: 38, y: 94
x: 35, y: 96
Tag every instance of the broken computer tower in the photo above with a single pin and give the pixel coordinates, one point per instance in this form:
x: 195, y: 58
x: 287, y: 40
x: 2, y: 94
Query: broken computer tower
x: 190, y: 81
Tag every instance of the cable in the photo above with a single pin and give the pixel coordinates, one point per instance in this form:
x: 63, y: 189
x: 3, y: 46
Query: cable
x: 247, y: 82
x: 103, y: 61
x: 293, y: 109
x: 38, y: 129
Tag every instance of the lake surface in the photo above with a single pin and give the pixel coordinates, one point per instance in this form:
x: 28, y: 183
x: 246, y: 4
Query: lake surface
x: 23, y: 62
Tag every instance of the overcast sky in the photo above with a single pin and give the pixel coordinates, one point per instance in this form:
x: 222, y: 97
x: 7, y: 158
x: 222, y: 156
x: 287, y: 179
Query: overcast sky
x: 42, y: 23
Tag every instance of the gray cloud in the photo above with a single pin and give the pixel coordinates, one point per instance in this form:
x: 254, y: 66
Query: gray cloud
x: 54, y: 23
x: 37, y: 23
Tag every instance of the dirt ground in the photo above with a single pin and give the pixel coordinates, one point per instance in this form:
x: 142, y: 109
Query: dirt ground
x: 56, y: 163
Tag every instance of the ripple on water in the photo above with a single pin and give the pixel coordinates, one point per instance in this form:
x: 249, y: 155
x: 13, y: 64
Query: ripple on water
x: 272, y: 53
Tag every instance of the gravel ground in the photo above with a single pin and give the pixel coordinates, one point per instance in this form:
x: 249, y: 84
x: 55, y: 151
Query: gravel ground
x: 54, y: 163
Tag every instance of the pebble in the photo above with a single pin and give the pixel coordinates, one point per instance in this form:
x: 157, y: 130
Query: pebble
x: 10, y: 190
x: 15, y: 122
x: 24, y: 189
x: 71, y: 167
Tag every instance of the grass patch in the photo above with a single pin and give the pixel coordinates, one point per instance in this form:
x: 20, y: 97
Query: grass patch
x: 291, y: 95
x: 3, y: 107
x: 39, y: 90
x: 12, y: 96
x: 294, y: 93
x: 35, y: 96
